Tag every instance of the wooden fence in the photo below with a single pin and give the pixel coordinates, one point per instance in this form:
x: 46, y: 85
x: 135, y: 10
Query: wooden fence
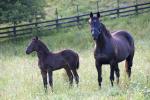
x: 27, y: 29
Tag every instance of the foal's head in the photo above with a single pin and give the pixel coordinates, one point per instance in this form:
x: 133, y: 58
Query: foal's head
x: 96, y: 25
x: 33, y: 46
x: 37, y: 45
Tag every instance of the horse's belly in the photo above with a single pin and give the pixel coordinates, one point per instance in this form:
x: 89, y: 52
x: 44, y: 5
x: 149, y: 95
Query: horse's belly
x: 56, y: 68
x: 103, y: 59
x: 123, y: 53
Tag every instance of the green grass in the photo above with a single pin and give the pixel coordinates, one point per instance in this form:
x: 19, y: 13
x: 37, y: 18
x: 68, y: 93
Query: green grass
x: 20, y: 77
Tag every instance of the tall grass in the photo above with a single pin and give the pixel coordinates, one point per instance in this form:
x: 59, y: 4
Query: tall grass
x: 20, y: 77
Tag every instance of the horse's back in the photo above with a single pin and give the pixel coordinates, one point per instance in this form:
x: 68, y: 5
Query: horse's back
x: 123, y: 36
x: 123, y: 42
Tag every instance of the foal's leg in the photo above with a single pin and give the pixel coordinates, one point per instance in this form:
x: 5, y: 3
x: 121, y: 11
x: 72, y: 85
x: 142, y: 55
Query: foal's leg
x: 44, y: 76
x: 112, y: 68
x: 50, y: 75
x: 69, y: 73
x: 76, y: 76
x: 99, y: 70
x: 117, y: 72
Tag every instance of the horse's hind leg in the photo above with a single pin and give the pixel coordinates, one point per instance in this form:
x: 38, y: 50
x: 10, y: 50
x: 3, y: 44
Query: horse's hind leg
x: 76, y: 76
x: 70, y: 76
x: 128, y: 65
x: 117, y: 72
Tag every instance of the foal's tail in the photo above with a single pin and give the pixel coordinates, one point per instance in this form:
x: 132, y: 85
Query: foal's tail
x: 77, y: 63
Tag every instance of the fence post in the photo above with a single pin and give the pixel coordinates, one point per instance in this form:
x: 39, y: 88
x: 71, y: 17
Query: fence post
x: 78, y: 20
x: 36, y: 25
x: 118, y: 8
x: 97, y: 6
x: 136, y: 7
x: 14, y: 29
x: 57, y: 23
x: 15, y: 39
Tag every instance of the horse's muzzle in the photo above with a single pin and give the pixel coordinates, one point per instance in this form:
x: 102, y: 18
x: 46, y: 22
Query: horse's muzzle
x: 95, y: 34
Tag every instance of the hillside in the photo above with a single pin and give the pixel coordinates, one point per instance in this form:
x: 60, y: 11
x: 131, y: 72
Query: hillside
x: 69, y: 7
x: 21, y: 80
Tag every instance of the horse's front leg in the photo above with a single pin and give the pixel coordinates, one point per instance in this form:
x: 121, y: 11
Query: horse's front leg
x: 50, y: 75
x: 112, y: 69
x: 99, y: 70
x: 44, y: 76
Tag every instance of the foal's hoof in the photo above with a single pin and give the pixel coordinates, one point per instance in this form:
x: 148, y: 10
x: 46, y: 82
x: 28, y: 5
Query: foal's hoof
x: 112, y: 83
x: 45, y: 90
x: 70, y: 86
x: 117, y: 81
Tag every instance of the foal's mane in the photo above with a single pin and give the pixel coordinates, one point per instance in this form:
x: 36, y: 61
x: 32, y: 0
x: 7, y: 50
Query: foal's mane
x: 43, y: 47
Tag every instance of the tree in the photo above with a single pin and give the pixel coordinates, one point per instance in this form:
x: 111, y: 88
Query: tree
x: 16, y: 11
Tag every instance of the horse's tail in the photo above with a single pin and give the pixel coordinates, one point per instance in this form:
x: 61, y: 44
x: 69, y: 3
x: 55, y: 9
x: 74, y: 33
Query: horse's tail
x: 77, y: 63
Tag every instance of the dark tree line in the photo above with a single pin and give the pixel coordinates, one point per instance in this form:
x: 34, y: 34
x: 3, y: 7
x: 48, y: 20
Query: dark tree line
x: 16, y: 11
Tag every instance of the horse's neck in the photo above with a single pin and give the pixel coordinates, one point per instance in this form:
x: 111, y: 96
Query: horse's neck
x: 103, y: 39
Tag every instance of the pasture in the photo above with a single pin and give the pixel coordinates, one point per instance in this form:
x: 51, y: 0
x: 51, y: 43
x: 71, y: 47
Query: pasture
x: 20, y: 77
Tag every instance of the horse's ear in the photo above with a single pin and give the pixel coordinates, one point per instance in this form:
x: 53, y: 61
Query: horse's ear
x: 98, y: 15
x: 91, y: 15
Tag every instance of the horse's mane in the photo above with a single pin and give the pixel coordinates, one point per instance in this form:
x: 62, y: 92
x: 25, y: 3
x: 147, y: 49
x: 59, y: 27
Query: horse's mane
x: 107, y: 33
x: 43, y: 47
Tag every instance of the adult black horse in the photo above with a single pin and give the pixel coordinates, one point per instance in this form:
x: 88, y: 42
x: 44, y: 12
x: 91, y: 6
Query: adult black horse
x: 49, y: 61
x: 111, y: 48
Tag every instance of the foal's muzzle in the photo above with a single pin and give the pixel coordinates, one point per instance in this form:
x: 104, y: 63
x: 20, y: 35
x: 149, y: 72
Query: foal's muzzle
x: 28, y: 51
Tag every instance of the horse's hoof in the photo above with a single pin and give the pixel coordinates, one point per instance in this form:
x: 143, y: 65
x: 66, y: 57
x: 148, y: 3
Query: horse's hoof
x: 100, y: 86
x: 77, y: 85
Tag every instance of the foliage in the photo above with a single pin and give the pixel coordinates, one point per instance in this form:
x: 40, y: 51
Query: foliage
x: 15, y: 11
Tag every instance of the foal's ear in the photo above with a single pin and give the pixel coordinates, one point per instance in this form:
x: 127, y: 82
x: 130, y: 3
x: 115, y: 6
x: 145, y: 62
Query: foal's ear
x: 91, y: 15
x: 35, y: 38
x: 98, y: 15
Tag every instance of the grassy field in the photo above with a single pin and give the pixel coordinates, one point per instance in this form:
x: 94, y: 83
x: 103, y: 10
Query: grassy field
x: 20, y: 77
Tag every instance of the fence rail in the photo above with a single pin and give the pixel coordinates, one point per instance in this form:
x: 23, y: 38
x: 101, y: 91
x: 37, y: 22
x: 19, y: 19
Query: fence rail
x: 26, y: 29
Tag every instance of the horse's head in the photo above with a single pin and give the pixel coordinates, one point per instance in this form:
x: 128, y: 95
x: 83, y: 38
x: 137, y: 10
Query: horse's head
x: 33, y: 46
x: 95, y: 25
